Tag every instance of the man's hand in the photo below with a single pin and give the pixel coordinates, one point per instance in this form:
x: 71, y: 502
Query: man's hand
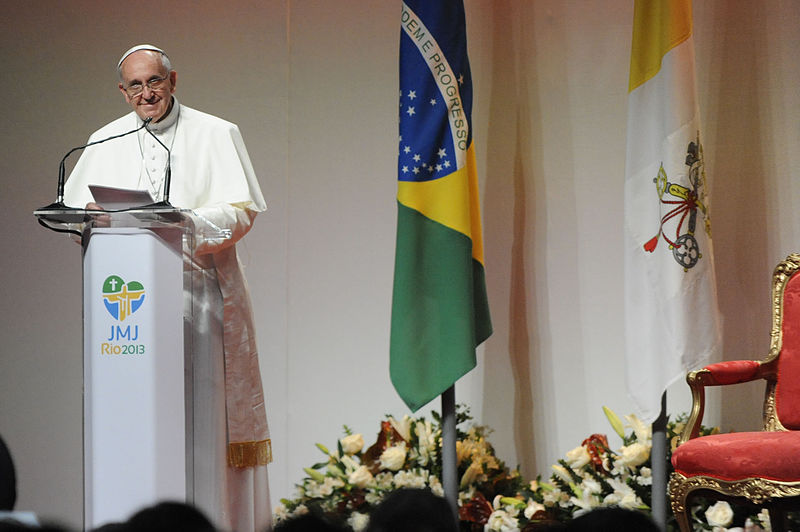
x: 100, y: 219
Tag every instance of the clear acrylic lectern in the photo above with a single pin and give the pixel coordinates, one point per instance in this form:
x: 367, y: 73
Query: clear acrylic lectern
x: 137, y: 357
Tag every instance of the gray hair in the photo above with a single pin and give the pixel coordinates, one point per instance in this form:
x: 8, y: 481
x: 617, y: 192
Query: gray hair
x: 164, y: 59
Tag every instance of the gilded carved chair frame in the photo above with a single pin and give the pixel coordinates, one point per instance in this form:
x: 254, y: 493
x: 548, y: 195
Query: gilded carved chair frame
x: 776, y: 495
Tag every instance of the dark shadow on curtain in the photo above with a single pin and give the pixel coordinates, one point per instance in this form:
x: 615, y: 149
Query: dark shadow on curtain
x: 738, y: 211
x: 509, y: 397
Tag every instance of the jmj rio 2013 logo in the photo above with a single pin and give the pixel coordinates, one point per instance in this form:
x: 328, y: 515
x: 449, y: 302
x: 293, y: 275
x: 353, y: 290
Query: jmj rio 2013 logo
x: 122, y: 300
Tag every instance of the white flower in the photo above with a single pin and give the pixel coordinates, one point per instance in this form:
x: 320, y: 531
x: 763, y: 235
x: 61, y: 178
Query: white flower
x: 300, y: 510
x: 413, y: 455
x: 436, y: 486
x: 619, y: 468
x: 350, y: 465
x: 623, y: 495
x: 763, y: 516
x: 630, y: 501
x: 643, y: 431
x: 578, y: 457
x: 384, y: 480
x: 394, y: 457
x: 762, y: 523
x: 645, y: 477
x: 311, y: 489
x: 562, y: 473
x: 496, y: 502
x: 720, y: 514
x: 466, y: 495
x: 427, y: 441
x: 425, y: 434
x: 352, y: 444
x: 500, y: 521
x: 361, y: 477
x: 555, y: 496
x: 358, y: 521
x: 402, y: 427
x: 634, y: 454
x: 373, y: 498
x: 510, y: 509
x: 411, y: 479
x: 532, y: 508
x: 281, y: 512
x: 550, y: 498
x: 590, y: 485
x: 325, y: 489
x: 586, y: 501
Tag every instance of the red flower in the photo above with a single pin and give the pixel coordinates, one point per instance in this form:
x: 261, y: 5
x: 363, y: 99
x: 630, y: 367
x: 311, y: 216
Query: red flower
x: 596, y: 444
x: 476, y: 510
x: 387, y: 437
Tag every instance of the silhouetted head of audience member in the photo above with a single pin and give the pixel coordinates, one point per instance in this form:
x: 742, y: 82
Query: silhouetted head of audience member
x: 612, y: 519
x: 169, y: 517
x: 545, y: 526
x: 111, y: 527
x: 310, y: 522
x: 412, y: 510
x: 11, y: 525
x: 8, y: 479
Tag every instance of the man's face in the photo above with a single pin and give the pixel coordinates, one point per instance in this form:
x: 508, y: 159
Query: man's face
x: 138, y: 69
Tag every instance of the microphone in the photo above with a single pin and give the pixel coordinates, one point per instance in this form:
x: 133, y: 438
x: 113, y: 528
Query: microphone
x: 167, y: 173
x: 59, y: 203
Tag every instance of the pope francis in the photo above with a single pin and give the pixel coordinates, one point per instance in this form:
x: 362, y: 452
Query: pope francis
x: 211, y: 174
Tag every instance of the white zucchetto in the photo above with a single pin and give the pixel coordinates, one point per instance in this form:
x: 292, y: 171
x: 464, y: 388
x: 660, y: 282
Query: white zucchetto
x: 136, y: 49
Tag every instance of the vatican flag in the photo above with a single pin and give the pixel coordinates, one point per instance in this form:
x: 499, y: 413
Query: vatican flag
x: 671, y: 322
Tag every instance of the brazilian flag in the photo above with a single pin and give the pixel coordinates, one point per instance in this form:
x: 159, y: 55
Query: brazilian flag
x: 440, y: 312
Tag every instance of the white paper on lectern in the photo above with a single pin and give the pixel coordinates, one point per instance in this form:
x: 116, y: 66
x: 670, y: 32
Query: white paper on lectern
x: 115, y: 198
x: 134, y: 409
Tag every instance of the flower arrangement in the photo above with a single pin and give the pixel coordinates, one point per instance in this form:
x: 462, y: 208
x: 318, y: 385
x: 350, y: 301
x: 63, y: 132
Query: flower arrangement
x: 406, y: 454
x: 352, y: 480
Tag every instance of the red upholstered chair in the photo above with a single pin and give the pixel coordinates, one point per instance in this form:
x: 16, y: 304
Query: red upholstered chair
x: 762, y: 467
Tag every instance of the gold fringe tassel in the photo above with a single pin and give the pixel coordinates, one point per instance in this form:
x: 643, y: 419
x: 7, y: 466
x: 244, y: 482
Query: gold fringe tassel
x: 249, y: 453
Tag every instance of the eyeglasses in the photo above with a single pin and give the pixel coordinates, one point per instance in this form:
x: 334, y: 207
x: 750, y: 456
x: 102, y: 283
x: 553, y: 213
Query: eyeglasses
x: 154, y: 84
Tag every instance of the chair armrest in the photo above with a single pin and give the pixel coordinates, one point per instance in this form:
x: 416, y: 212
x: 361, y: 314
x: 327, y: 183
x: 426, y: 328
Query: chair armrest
x: 721, y: 374
x: 731, y: 372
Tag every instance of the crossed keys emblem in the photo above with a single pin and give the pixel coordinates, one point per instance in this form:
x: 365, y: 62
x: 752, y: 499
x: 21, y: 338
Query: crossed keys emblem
x: 681, y: 205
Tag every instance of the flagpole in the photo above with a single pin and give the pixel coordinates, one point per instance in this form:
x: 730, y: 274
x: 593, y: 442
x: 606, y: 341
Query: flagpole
x: 658, y: 462
x: 449, y: 457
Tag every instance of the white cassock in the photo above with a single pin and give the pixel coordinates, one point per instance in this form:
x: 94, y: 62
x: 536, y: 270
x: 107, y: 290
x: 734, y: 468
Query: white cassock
x: 211, y: 174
